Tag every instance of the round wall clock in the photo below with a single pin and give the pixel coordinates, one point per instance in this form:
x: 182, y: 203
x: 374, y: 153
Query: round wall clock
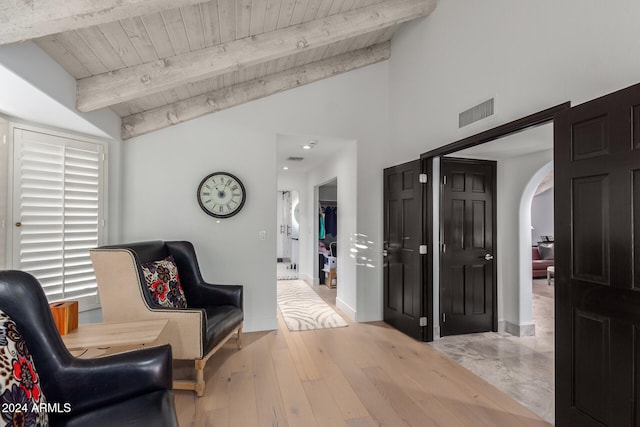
x: 221, y: 194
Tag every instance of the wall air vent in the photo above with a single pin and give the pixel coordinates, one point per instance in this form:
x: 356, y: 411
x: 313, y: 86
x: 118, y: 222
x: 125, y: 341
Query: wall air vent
x: 476, y: 113
x: 295, y: 159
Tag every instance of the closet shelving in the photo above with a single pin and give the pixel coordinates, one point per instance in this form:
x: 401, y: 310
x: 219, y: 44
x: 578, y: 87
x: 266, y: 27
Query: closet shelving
x: 328, y: 234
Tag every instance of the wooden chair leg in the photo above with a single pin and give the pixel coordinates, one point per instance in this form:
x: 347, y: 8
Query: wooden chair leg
x: 199, y: 387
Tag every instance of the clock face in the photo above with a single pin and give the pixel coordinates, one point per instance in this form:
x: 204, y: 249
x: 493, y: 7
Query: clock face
x: 221, y: 194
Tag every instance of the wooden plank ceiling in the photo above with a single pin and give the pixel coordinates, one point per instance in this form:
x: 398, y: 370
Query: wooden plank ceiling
x: 157, y: 62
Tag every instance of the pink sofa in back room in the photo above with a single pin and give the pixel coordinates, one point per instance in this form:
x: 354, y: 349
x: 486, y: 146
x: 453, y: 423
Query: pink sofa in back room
x: 541, y: 259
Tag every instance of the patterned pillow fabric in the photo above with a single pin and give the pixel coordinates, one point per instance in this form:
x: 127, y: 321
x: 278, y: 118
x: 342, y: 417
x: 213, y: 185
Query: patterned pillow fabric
x: 20, y: 394
x: 163, y: 283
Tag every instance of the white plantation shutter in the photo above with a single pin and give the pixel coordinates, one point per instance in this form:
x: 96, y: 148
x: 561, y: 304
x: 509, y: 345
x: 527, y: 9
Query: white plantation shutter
x: 58, y: 207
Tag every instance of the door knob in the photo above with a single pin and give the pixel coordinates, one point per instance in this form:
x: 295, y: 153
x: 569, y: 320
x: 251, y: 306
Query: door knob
x: 488, y: 257
x: 385, y: 253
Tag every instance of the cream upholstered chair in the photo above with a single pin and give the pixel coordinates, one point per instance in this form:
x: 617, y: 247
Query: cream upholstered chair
x: 212, y: 315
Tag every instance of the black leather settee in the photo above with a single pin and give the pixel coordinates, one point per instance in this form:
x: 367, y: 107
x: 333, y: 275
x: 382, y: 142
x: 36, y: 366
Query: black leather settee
x: 127, y: 389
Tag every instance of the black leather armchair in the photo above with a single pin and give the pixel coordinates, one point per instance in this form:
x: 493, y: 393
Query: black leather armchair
x: 128, y: 389
x: 214, y: 313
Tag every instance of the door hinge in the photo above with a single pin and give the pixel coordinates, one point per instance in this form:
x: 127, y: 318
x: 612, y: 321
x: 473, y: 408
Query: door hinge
x: 444, y: 317
x: 444, y: 247
x: 423, y: 321
x: 423, y: 178
x: 444, y: 179
x: 423, y: 249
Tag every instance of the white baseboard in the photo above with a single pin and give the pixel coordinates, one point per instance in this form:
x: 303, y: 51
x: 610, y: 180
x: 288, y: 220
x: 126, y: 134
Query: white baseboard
x: 314, y: 281
x: 436, y: 333
x: 346, y: 309
x: 525, y: 330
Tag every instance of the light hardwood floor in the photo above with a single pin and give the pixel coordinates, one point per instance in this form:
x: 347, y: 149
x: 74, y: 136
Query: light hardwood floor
x: 366, y: 374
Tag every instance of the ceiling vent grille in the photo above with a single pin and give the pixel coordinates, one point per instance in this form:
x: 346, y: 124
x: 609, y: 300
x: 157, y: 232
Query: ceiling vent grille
x: 295, y: 159
x: 476, y: 113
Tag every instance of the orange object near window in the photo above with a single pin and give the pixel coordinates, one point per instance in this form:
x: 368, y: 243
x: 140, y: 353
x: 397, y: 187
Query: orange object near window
x: 65, y: 315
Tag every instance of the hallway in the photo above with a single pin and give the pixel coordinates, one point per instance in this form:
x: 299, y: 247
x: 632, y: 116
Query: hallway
x: 522, y: 367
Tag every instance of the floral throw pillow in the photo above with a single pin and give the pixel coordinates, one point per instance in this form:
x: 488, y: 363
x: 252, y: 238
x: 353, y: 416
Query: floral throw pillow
x: 21, y: 397
x: 163, y: 283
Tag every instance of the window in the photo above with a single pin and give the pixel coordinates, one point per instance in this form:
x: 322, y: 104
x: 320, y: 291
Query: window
x: 58, y: 211
x: 4, y: 185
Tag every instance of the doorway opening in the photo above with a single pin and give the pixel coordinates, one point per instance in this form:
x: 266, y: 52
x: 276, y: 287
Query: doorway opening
x: 306, y: 163
x: 288, y: 251
x: 327, y: 240
x: 524, y: 155
x: 517, y: 356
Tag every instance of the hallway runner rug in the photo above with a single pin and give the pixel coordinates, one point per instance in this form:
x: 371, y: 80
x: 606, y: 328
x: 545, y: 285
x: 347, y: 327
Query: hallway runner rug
x: 285, y: 272
x: 302, y: 309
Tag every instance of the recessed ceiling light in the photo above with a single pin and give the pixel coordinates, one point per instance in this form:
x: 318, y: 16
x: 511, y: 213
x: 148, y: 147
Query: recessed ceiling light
x: 309, y: 145
x: 284, y: 168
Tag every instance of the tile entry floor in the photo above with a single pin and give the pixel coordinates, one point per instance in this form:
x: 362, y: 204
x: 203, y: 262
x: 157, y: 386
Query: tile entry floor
x: 522, y: 367
x: 286, y: 271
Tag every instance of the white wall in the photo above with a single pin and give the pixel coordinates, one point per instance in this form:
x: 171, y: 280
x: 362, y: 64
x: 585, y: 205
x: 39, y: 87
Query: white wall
x: 542, y: 215
x: 514, y: 284
x: 328, y: 192
x: 342, y: 166
x: 529, y: 55
x: 292, y: 181
x: 36, y: 89
x: 161, y: 171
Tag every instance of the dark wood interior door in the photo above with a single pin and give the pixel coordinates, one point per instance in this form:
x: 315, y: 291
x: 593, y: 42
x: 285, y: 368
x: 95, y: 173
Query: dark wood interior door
x: 403, y: 284
x: 467, y: 274
x: 597, y: 261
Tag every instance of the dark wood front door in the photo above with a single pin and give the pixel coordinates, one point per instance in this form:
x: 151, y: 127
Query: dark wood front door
x: 597, y: 261
x: 403, y: 284
x: 467, y: 274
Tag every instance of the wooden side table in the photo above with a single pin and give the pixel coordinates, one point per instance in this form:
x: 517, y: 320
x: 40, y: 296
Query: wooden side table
x: 551, y: 271
x: 98, y: 339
